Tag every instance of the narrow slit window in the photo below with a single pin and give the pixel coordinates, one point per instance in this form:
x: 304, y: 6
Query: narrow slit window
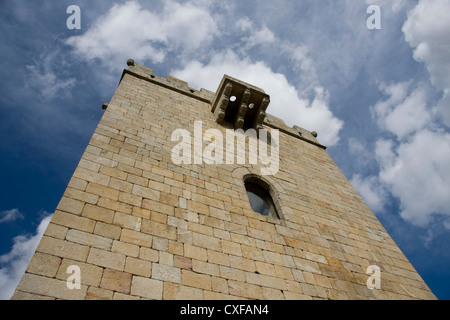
x: 260, y: 200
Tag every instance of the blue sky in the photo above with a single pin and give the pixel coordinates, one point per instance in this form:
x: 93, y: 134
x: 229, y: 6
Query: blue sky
x: 379, y: 99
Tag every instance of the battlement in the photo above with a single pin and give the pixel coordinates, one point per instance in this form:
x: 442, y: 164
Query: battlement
x: 180, y: 86
x: 146, y: 73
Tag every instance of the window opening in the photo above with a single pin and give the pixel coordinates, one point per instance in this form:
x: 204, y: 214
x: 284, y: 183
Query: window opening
x: 260, y: 199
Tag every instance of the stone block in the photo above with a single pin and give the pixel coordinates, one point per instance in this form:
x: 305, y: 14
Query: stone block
x: 102, y: 191
x: 265, y: 281
x: 166, y: 273
x: 128, y: 221
x: 148, y: 254
x: 73, y: 221
x: 120, y: 184
x: 207, y: 242
x: 205, y: 267
x: 176, y: 248
x: 158, y: 207
x: 50, y: 287
x: 81, y: 195
x: 232, y: 273
x: 121, y: 296
x: 159, y: 229
x: 219, y: 285
x: 272, y: 294
x: 182, y: 262
x: 116, y: 281
x: 70, y: 205
x: 63, y: 248
x: 89, y: 239
x: 137, y: 238
x: 98, y: 213
x: 91, y: 176
x: 56, y: 231
x: 138, y: 267
x: 174, y: 291
x: 245, y: 290
x: 218, y: 258
x: 99, y: 294
x: 146, y: 192
x: 147, y: 288
x: 194, y: 252
x: 107, y: 230
x: 231, y: 248
x: 166, y: 258
x: 115, y: 205
x: 125, y: 248
x: 242, y: 263
x: 44, y: 265
x: 106, y: 259
x: 196, y: 280
x: 130, y: 199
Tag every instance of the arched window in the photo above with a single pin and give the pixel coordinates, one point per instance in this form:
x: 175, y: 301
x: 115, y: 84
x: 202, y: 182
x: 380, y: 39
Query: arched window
x: 259, y: 197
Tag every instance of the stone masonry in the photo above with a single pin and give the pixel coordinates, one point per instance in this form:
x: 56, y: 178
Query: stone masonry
x: 139, y: 226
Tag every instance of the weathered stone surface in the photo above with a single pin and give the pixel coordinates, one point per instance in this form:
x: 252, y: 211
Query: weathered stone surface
x: 147, y: 288
x: 106, y: 259
x: 140, y: 226
x: 116, y: 281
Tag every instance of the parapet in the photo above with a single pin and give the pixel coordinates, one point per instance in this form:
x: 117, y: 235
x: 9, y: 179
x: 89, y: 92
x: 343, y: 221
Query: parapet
x: 235, y: 101
x: 146, y: 73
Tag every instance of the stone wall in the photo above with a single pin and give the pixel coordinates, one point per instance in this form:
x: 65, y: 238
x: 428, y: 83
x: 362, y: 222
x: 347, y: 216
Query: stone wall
x: 140, y: 227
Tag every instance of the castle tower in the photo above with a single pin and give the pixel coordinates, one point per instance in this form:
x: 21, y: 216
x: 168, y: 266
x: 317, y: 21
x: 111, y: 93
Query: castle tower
x: 186, y: 194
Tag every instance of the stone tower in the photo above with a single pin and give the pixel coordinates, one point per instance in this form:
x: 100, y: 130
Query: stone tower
x: 151, y: 213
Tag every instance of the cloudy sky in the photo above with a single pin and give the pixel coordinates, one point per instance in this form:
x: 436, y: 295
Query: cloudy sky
x: 379, y: 98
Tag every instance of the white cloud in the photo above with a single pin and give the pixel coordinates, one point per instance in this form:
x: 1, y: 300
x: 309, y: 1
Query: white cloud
x: 190, y: 32
x: 257, y: 36
x: 130, y: 31
x: 285, y: 101
x: 385, y: 154
x: 14, y: 263
x: 447, y: 224
x: 302, y: 66
x: 402, y: 113
x: 187, y: 25
x: 47, y: 75
x: 10, y: 215
x: 427, y: 30
x: 371, y: 191
x: 358, y: 150
x: 415, y: 166
x: 244, y: 24
x: 417, y: 172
